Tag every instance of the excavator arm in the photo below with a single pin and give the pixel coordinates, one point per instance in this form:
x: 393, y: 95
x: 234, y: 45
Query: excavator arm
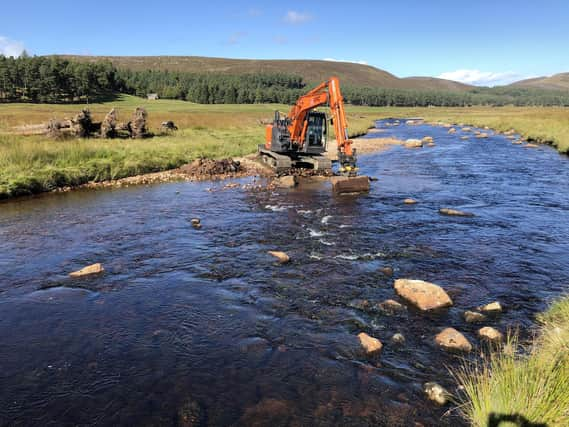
x: 326, y: 93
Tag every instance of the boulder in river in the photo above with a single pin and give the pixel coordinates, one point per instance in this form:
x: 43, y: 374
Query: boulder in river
x: 282, y: 257
x: 464, y: 137
x: 531, y: 146
x: 452, y: 130
x: 492, y: 308
x: 371, y: 345
x: 454, y: 212
x: 89, y: 270
x: 387, y: 270
x: 423, y: 295
x: 482, y: 135
x: 466, y: 129
x: 490, y: 334
x: 390, y: 306
x: 453, y: 341
x: 287, y: 181
x: 427, y: 139
x: 413, y: 143
x: 436, y: 393
x: 409, y: 201
x: 474, y: 317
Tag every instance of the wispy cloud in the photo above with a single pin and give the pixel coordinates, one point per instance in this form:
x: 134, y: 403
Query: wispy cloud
x: 482, y: 78
x: 236, y: 37
x: 9, y: 47
x: 345, y: 60
x: 294, y: 17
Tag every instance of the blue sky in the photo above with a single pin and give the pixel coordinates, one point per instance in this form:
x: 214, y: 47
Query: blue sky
x: 476, y: 41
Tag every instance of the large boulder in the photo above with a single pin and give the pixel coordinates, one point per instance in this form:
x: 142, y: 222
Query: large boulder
x: 492, y: 308
x: 453, y: 341
x: 487, y: 333
x: 454, y: 212
x: 423, y: 295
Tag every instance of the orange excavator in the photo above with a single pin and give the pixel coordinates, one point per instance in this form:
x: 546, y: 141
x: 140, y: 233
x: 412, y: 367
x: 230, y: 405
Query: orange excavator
x: 299, y: 139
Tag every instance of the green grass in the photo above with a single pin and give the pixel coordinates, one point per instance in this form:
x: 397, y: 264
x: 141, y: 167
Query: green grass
x: 32, y: 164
x: 533, y: 383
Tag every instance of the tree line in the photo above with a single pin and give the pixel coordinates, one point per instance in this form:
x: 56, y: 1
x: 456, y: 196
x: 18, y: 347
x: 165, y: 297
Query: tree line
x: 58, y: 80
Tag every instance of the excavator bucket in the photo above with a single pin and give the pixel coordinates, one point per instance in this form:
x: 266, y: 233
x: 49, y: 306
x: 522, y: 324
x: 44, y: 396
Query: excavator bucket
x: 350, y: 184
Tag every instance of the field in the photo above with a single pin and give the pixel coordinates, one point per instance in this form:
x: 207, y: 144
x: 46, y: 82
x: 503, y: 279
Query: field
x: 33, y: 164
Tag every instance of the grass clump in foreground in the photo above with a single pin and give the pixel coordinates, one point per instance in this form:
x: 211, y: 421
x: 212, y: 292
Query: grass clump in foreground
x: 531, y: 387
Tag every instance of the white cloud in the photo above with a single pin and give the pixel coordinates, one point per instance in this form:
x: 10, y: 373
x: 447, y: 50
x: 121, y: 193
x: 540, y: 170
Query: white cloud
x: 345, y: 60
x: 293, y: 17
x: 482, y: 78
x: 10, y: 47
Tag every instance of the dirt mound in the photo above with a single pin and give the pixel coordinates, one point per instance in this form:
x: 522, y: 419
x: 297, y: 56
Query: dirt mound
x: 201, y: 167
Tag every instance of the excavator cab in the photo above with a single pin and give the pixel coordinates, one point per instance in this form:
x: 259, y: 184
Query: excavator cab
x: 316, y: 132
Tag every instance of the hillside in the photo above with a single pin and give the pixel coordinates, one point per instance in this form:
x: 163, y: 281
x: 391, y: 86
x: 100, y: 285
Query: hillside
x: 556, y: 82
x: 311, y: 70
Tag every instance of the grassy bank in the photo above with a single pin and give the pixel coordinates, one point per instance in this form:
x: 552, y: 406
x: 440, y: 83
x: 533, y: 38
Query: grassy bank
x: 32, y: 164
x: 533, y: 386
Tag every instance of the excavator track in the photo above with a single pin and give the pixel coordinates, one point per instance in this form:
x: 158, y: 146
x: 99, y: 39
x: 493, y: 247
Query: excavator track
x: 282, y: 163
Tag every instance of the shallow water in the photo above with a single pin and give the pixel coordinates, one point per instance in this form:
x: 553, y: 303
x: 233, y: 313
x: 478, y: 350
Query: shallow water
x: 201, y: 327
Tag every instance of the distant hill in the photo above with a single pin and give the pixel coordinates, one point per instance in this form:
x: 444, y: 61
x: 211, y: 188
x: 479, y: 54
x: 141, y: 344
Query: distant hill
x: 555, y: 82
x: 312, y: 71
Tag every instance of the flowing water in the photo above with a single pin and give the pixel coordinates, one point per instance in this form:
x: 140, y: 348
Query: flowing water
x: 202, y: 327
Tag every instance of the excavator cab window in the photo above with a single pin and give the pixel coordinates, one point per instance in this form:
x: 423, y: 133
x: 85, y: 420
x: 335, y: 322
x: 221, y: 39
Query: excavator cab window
x: 316, y: 131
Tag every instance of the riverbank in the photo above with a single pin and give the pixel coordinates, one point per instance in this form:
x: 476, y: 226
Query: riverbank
x: 538, y: 377
x: 35, y: 164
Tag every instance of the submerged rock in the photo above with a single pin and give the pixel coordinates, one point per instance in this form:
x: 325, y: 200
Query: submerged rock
x: 452, y: 130
x: 453, y: 341
x: 423, y: 295
x: 409, y: 201
x: 371, y: 345
x: 466, y: 129
x: 474, y: 317
x: 282, y: 257
x: 436, y: 393
x: 89, y: 270
x: 390, y: 306
x: 398, y: 339
x: 490, y: 334
x: 428, y: 139
x: 464, y: 137
x: 387, y: 270
x: 492, y: 308
x: 454, y: 212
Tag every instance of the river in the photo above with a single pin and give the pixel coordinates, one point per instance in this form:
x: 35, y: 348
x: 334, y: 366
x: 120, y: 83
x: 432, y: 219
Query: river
x: 202, y: 327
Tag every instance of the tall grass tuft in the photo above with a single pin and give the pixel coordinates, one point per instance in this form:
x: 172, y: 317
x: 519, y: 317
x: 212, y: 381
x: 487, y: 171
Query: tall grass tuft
x: 530, y: 385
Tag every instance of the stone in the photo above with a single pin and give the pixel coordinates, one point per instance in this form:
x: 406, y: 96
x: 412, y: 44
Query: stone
x: 490, y: 334
x: 452, y: 130
x: 137, y: 126
x: 473, y: 317
x: 427, y: 139
x: 282, y: 257
x: 518, y: 142
x: 431, y: 144
x: 398, y: 339
x: 371, y: 345
x: 453, y: 341
x: 109, y: 124
x: 531, y: 146
x: 349, y: 184
x: 465, y: 137
x: 436, y: 393
x: 413, y: 143
x: 287, y: 181
x: 466, y: 129
x: 409, y: 201
x: 482, y: 135
x: 89, y: 270
x: 423, y: 295
x: 510, y: 137
x: 454, y: 212
x: 387, y: 270
x: 195, y: 221
x: 493, y: 307
x: 390, y: 306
